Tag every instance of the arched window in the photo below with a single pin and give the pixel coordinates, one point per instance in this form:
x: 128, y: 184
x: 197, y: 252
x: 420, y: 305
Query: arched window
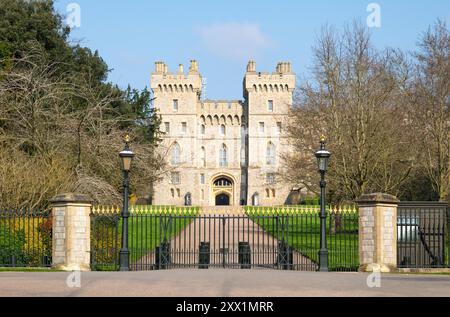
x: 188, y: 199
x: 202, y: 129
x: 223, y: 156
x: 223, y: 182
x: 255, y: 199
x: 270, y: 154
x: 203, y: 156
x: 223, y: 130
x: 267, y: 193
x: 176, y: 150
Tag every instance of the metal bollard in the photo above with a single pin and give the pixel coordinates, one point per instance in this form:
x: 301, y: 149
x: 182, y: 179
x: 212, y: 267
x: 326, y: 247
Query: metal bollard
x: 204, y: 255
x: 285, y: 256
x: 245, y: 255
x: 162, y: 256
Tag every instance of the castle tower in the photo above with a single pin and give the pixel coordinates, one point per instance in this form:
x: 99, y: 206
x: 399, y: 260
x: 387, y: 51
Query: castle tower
x: 167, y: 87
x: 176, y: 98
x: 269, y: 97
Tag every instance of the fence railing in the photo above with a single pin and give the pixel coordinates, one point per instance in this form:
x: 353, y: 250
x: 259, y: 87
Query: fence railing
x: 302, y: 233
x: 249, y: 237
x: 105, y: 237
x: 106, y: 230
x: 423, y: 239
x: 25, y: 238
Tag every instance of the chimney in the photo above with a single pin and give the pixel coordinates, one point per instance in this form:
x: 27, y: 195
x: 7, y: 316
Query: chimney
x: 160, y: 68
x: 193, y: 68
x: 251, y: 67
x: 284, y: 68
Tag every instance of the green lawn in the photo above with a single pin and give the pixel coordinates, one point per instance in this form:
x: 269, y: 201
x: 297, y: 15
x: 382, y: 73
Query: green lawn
x: 27, y: 269
x: 300, y: 229
x: 146, y: 232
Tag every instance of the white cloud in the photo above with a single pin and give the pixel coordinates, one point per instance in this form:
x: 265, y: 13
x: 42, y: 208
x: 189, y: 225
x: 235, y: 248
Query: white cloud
x: 233, y: 40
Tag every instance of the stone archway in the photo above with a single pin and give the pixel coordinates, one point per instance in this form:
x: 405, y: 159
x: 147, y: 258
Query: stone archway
x: 222, y: 200
x: 222, y: 191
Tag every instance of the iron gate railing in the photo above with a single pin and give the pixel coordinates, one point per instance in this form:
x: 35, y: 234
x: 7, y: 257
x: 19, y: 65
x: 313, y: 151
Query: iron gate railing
x: 25, y: 238
x: 423, y: 235
x: 263, y: 238
x: 105, y: 238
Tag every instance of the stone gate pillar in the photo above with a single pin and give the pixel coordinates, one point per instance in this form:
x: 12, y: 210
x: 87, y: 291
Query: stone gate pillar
x: 71, y: 232
x: 377, y: 232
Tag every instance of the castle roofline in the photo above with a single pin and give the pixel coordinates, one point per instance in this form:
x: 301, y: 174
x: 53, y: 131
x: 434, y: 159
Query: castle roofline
x: 220, y: 101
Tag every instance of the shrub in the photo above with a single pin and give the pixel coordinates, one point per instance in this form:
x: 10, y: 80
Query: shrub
x: 12, y: 243
x: 310, y: 201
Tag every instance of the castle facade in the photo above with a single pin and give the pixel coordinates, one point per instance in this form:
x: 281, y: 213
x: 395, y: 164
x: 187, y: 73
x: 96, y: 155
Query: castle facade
x: 223, y: 152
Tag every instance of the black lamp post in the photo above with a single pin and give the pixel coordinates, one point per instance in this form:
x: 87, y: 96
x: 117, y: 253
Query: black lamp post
x: 127, y: 156
x: 322, y: 161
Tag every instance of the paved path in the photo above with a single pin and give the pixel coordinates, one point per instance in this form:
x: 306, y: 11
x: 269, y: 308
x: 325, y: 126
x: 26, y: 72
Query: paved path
x: 221, y: 283
x: 224, y: 229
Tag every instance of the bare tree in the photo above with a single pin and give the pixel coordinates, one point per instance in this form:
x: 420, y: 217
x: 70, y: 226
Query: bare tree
x: 355, y: 100
x: 60, y: 133
x: 430, y: 114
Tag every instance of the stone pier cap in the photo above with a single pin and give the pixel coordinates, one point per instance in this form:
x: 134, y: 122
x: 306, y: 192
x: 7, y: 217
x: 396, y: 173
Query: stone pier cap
x: 377, y: 198
x: 68, y: 198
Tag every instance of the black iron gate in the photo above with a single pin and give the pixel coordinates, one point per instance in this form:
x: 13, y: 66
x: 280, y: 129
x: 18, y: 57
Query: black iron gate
x: 218, y: 241
x: 423, y: 239
x: 254, y: 238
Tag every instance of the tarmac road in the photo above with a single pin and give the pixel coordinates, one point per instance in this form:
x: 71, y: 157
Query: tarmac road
x: 220, y: 283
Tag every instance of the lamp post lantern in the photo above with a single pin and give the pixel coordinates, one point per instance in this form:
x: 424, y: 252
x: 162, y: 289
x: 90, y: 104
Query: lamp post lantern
x: 126, y: 156
x: 322, y: 161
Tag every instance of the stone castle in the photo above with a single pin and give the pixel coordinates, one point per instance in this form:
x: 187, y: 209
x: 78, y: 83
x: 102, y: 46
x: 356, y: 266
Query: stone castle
x: 223, y: 152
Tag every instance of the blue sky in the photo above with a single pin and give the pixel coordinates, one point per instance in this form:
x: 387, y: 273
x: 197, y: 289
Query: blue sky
x: 224, y: 35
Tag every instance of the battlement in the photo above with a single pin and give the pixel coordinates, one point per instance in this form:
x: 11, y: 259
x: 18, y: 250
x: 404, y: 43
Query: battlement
x: 281, y: 69
x: 165, y: 81
x: 281, y: 80
x: 161, y: 68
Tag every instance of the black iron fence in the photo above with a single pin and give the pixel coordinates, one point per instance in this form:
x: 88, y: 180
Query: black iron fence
x: 423, y: 239
x: 262, y: 238
x: 25, y: 238
x: 105, y: 238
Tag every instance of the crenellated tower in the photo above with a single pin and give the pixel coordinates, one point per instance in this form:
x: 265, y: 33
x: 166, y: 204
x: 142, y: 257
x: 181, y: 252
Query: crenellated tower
x: 185, y: 88
x: 268, y: 97
x: 177, y: 95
